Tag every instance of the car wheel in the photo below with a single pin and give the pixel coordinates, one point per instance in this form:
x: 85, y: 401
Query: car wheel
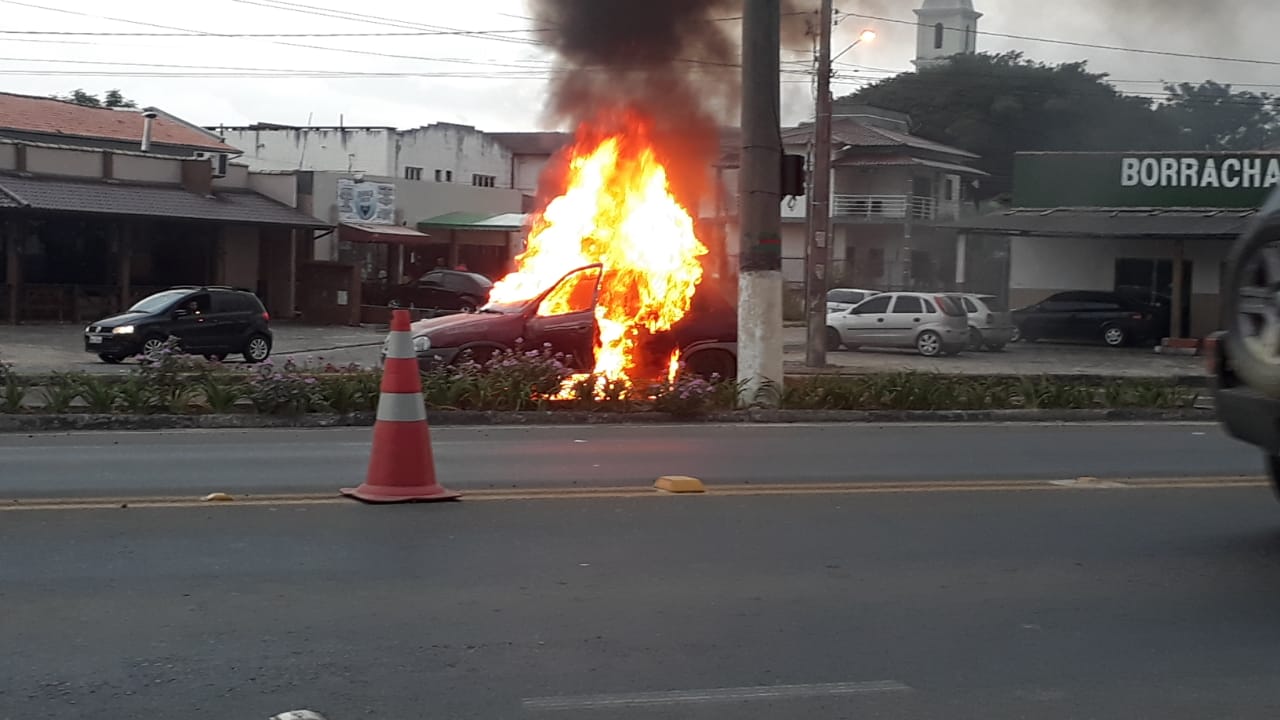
x: 1115, y: 336
x: 833, y: 339
x: 111, y: 359
x: 151, y: 346
x: 1017, y: 335
x: 257, y: 349
x: 929, y: 343
x: 1252, y: 309
x: 707, y: 363
x: 975, y: 339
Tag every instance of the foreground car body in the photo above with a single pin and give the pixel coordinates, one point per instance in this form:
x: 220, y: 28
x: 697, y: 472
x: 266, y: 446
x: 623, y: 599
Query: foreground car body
x: 1246, y: 357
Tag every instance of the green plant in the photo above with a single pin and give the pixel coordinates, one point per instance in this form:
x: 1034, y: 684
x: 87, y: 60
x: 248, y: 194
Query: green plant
x: 221, y: 393
x: 351, y: 392
x: 12, y: 393
x: 60, y: 391
x: 100, y: 394
x: 135, y: 396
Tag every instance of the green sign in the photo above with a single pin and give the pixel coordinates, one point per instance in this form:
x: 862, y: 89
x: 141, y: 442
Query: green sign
x: 1138, y: 180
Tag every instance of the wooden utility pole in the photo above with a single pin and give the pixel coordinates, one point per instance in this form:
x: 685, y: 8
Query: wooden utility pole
x: 820, y: 202
x: 759, y: 199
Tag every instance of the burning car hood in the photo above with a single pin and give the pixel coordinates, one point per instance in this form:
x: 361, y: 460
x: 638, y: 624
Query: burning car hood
x: 464, y: 328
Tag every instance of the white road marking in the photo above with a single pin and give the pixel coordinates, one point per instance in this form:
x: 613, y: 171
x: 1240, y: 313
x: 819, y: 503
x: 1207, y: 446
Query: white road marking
x: 714, y: 695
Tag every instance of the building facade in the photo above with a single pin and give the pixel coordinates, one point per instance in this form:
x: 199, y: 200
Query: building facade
x: 1153, y: 224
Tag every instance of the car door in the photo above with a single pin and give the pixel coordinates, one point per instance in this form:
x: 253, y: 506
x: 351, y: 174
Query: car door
x: 192, y: 322
x: 230, y: 318
x: 1052, y: 318
x: 865, y: 324
x: 565, y: 318
x: 904, y: 320
x: 1092, y: 314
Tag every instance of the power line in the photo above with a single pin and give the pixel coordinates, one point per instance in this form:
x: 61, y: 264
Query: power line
x: 220, y: 35
x: 1074, y: 43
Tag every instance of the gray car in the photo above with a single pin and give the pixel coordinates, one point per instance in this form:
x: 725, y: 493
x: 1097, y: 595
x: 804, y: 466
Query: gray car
x: 932, y: 324
x: 990, y: 323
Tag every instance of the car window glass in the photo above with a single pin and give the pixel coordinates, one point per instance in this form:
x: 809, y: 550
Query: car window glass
x: 433, y: 278
x: 456, y: 283
x: 844, y: 296
x: 874, y: 306
x: 970, y: 306
x: 929, y: 306
x: 908, y: 305
x: 199, y: 304
x: 574, y: 294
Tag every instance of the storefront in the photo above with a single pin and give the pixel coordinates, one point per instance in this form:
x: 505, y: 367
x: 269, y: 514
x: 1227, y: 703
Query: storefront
x: 1153, y: 224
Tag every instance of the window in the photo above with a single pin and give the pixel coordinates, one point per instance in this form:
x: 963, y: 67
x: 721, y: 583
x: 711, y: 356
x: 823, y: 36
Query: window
x: 412, y: 173
x: 875, y: 306
x: 852, y: 297
x: 970, y: 307
x: 484, y: 180
x: 969, y: 44
x: 929, y: 307
x: 574, y: 294
x: 448, y: 176
x: 938, y: 30
x: 908, y: 305
x: 439, y: 176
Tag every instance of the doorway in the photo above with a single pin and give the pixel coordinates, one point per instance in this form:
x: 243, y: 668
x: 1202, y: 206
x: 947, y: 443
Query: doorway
x: 1151, y: 281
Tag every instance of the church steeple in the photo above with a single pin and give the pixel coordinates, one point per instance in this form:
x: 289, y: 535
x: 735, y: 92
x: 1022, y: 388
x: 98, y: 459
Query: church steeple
x: 947, y: 27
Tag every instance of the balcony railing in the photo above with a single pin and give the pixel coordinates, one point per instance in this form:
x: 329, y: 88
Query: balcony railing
x: 884, y: 207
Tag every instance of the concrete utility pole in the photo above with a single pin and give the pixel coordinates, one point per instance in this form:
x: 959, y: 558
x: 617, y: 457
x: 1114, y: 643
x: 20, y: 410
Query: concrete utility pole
x: 815, y: 264
x: 760, y: 208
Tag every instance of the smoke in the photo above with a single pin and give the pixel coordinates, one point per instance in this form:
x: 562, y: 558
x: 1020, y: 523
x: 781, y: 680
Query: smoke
x: 677, y: 62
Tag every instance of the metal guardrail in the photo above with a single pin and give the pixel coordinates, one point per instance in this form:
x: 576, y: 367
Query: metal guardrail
x: 884, y: 207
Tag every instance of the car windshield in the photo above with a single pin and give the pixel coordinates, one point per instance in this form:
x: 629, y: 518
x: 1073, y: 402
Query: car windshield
x: 505, y: 308
x: 159, y: 301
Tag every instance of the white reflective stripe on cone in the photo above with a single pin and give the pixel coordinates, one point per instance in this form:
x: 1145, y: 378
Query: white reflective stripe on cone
x: 400, y: 346
x: 401, y: 407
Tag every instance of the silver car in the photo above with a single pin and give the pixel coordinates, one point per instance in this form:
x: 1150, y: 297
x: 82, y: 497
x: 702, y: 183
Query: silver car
x: 845, y: 298
x: 990, y: 323
x: 932, y: 324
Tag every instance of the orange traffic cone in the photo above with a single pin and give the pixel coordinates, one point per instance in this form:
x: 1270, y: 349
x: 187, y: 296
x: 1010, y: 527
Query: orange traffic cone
x: 401, y: 468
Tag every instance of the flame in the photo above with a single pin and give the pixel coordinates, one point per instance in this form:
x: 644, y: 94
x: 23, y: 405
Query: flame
x: 673, y: 367
x: 618, y: 210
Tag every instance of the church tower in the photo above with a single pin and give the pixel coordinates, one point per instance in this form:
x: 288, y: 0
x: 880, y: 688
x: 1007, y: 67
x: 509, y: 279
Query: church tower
x: 947, y: 27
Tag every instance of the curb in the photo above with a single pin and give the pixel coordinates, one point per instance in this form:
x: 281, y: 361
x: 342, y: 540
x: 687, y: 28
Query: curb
x: 461, y: 418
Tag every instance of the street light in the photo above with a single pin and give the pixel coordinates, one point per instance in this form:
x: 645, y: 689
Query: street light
x: 865, y: 36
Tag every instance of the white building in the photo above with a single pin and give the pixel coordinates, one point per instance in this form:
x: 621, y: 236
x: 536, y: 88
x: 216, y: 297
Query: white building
x: 947, y: 28
x: 441, y: 152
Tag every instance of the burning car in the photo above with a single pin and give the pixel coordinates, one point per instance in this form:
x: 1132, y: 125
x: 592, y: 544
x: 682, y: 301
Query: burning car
x: 564, y: 317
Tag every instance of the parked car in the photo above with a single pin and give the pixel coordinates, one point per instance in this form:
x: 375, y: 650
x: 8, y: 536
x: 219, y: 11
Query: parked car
x: 441, y: 289
x: 706, y: 336
x: 931, y: 324
x: 1113, y: 318
x: 211, y: 321
x: 1246, y: 355
x: 845, y: 298
x: 990, y: 325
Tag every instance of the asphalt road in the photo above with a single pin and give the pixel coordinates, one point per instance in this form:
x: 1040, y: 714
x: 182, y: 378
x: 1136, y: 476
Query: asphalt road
x: 321, y: 461
x: 1019, y: 603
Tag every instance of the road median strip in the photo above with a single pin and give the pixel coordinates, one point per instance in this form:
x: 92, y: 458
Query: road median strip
x: 639, y: 492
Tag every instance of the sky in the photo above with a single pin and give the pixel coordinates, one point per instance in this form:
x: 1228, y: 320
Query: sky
x: 418, y: 69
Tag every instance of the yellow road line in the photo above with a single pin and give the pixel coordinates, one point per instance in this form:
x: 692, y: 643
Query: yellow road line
x: 605, y: 493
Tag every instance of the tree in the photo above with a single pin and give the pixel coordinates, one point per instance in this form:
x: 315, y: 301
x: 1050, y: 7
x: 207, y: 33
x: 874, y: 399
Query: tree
x: 112, y: 99
x: 1210, y: 116
x: 997, y: 105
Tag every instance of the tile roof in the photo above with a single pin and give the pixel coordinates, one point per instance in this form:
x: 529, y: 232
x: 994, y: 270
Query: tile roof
x: 850, y: 132
x: 57, y: 118
x: 533, y: 143
x: 1112, y: 222
x: 103, y: 198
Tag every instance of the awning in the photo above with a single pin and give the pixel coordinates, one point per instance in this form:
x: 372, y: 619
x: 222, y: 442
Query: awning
x: 504, y: 222
x: 95, y: 197
x: 1111, y: 222
x: 906, y: 161
x: 391, y: 234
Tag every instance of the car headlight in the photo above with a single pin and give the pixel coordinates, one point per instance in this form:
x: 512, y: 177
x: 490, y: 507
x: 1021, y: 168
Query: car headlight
x: 122, y: 330
x: 421, y: 343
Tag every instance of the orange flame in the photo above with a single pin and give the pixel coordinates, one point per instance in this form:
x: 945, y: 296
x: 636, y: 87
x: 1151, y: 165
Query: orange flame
x: 618, y: 210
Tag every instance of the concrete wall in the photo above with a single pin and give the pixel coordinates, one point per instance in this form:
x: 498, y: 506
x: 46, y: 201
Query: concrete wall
x: 8, y: 157
x: 133, y: 168
x: 238, y: 257
x: 461, y: 149
x: 282, y: 187
x: 528, y: 170
x: 75, y: 163
x: 369, y: 150
x: 237, y: 178
x: 417, y: 201
x: 1039, y: 267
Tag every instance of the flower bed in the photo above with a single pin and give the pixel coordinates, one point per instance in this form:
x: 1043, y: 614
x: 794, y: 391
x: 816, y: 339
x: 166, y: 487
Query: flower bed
x: 537, y: 380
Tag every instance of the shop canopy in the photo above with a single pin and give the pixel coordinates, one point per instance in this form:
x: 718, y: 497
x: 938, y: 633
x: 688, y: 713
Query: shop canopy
x: 505, y: 222
x: 92, y: 197
x: 389, y: 234
x: 1111, y: 222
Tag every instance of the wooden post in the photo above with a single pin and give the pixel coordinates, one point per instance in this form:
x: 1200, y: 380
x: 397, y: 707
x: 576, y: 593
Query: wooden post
x: 13, y: 266
x: 1175, y: 302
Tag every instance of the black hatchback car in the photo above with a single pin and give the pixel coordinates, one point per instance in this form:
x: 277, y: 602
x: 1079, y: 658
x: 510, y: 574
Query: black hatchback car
x: 1113, y: 318
x: 210, y: 321
x: 440, y: 289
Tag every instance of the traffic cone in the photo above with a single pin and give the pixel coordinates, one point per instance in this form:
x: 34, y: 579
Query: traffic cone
x: 401, y: 468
